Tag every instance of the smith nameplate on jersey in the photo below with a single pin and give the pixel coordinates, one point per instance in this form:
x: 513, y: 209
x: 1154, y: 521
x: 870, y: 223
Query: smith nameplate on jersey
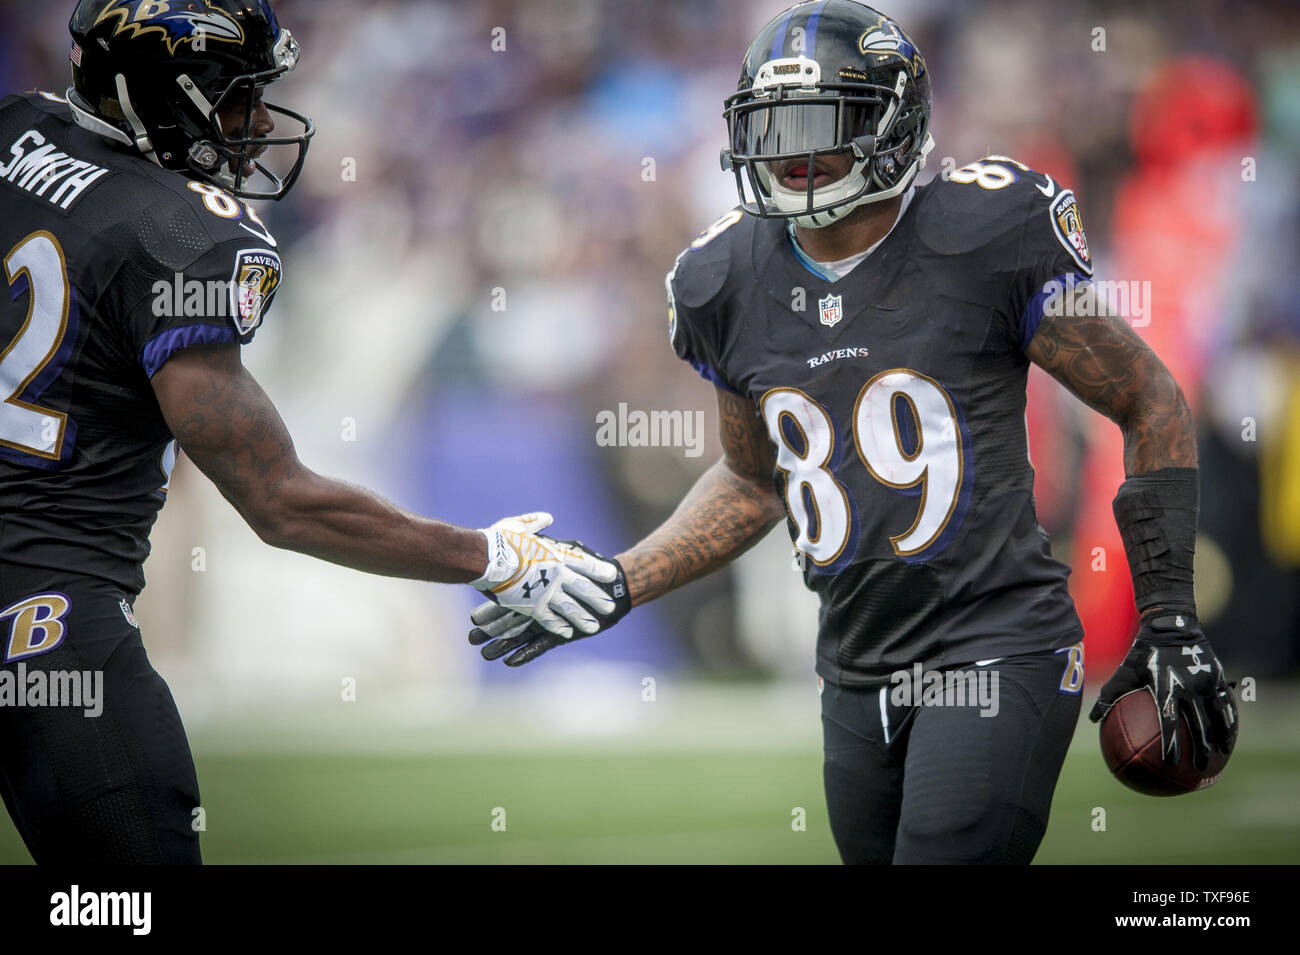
x: 46, y: 172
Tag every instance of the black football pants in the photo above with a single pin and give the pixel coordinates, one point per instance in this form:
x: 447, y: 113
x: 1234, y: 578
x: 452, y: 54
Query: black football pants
x: 941, y: 783
x: 118, y: 787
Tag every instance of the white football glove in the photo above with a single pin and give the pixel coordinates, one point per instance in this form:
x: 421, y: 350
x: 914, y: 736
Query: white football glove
x: 543, y: 578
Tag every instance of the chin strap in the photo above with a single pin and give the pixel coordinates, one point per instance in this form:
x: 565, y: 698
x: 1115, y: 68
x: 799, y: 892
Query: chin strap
x: 858, y: 181
x: 88, y: 121
x: 822, y: 219
x: 141, y: 141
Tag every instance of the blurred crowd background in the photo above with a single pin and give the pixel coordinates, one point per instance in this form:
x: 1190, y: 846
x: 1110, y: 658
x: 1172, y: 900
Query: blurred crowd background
x: 474, y: 271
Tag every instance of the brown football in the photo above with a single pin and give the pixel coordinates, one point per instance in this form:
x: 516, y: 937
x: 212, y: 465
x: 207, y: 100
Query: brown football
x: 1130, y: 744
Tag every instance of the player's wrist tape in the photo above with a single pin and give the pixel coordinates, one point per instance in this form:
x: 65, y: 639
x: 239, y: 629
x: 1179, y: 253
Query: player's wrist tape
x: 1156, y: 514
x: 503, y: 560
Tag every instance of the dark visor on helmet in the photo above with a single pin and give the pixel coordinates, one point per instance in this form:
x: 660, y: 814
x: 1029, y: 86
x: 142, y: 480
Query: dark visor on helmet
x: 778, y: 124
x: 798, y: 124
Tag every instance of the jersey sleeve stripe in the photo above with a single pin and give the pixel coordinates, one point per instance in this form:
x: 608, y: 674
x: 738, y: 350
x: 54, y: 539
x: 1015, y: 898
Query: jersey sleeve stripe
x: 1034, y: 311
x: 167, y: 343
x: 709, y: 373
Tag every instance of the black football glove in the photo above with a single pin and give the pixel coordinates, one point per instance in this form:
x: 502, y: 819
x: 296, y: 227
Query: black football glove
x: 1172, y: 657
x: 519, y: 635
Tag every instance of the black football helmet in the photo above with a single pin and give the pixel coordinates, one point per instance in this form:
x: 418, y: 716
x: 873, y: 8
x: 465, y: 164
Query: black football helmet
x: 154, y: 74
x: 826, y: 78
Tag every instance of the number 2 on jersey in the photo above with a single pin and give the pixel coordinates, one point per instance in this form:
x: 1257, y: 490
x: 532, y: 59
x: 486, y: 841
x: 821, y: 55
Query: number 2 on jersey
x: 25, y: 427
x: 805, y: 440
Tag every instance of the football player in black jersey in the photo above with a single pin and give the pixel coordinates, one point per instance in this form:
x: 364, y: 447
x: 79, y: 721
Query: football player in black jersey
x: 135, y: 270
x: 870, y: 340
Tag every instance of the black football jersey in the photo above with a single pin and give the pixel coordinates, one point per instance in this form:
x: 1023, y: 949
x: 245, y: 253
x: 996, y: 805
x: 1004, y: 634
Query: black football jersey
x: 895, y: 396
x: 112, y: 266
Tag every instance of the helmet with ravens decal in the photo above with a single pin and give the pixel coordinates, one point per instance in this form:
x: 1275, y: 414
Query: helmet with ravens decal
x: 157, y: 76
x: 827, y: 78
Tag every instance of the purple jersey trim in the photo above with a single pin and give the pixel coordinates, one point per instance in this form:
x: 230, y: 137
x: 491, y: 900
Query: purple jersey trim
x: 1033, y: 315
x: 707, y: 372
x: 167, y: 343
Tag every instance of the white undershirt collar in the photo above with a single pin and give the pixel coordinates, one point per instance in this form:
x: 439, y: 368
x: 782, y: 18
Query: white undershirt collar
x: 843, y: 267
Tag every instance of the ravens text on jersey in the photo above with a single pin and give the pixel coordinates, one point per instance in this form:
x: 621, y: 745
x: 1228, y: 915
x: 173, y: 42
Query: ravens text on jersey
x: 895, y: 397
x: 874, y: 331
x: 869, y: 339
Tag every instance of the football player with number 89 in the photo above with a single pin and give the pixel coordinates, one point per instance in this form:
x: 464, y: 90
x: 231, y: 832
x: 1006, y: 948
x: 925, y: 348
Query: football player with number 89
x: 881, y: 413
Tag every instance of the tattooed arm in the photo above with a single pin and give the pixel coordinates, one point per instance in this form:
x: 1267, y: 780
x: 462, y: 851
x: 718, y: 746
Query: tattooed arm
x: 227, y: 425
x: 1108, y: 367
x: 1104, y: 362
x: 730, y: 508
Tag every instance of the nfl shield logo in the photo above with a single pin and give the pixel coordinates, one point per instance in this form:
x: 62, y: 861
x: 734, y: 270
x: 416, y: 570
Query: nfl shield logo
x: 831, y: 310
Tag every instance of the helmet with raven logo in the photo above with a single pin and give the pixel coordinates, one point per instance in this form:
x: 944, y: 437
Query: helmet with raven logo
x: 155, y: 75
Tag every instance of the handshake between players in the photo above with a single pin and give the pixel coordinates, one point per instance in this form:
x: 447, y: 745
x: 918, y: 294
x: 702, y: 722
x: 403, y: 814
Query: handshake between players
x: 558, y: 586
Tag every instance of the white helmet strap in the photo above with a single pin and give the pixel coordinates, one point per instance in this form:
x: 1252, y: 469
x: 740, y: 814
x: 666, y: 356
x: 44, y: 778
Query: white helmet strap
x: 142, y: 141
x: 87, y: 120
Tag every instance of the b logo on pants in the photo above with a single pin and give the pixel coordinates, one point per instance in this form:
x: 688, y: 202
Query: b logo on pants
x: 37, y: 626
x: 1072, y: 678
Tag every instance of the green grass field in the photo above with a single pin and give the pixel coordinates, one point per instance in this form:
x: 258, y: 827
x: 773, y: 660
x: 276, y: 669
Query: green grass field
x: 673, y: 794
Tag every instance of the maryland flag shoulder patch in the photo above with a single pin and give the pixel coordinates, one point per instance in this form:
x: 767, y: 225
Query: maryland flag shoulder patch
x: 253, y: 286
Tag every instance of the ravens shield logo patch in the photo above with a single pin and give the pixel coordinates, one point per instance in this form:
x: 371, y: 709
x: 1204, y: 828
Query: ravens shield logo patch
x: 257, y: 276
x: 1068, y: 224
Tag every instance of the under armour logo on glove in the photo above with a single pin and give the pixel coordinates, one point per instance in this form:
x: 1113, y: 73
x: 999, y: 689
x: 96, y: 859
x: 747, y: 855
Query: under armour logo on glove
x: 1173, y: 658
x: 547, y: 581
x: 529, y: 588
x: 1197, y: 666
x: 520, y: 639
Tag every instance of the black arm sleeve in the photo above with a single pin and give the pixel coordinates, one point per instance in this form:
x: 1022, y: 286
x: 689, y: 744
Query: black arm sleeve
x: 1156, y: 514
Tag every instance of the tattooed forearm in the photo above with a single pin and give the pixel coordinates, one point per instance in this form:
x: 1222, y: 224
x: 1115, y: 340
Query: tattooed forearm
x: 732, y: 506
x: 229, y: 428
x: 722, y: 517
x: 1104, y: 362
x: 750, y: 452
